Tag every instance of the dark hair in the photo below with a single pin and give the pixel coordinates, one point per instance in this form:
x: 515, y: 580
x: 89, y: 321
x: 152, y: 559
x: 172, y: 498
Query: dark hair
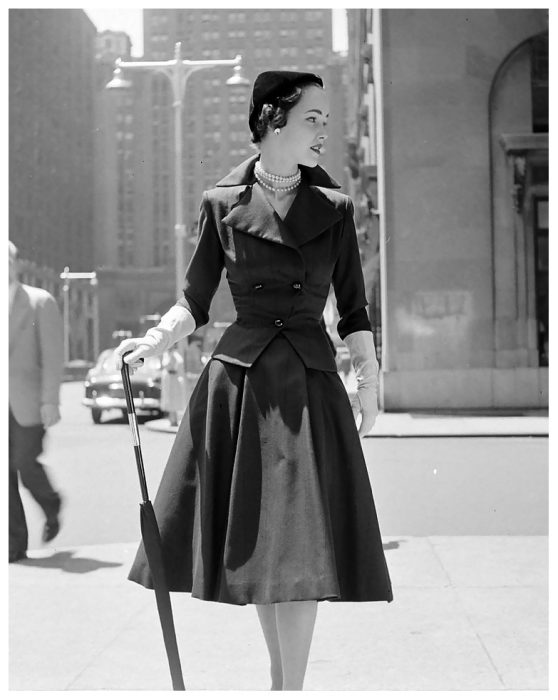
x: 273, y: 115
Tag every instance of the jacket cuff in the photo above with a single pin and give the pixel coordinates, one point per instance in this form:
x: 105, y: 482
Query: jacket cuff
x: 197, y: 311
x: 355, y: 321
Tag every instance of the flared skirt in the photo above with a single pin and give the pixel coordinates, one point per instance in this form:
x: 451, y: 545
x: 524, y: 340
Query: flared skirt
x: 266, y: 496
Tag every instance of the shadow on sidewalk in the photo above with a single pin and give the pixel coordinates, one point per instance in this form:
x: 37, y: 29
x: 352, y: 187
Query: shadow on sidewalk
x: 67, y: 562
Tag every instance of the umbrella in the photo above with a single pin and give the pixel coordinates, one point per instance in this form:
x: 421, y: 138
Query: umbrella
x: 152, y: 545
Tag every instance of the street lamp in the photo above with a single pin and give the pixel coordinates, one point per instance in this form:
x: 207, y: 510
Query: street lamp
x: 177, y: 71
x: 92, y: 277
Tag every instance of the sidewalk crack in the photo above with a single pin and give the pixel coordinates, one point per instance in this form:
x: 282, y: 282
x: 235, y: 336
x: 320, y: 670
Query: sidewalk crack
x: 104, y: 646
x: 466, y: 615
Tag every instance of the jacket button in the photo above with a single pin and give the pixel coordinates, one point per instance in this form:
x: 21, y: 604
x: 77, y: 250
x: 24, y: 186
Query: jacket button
x: 278, y: 322
x: 257, y: 286
x: 297, y: 286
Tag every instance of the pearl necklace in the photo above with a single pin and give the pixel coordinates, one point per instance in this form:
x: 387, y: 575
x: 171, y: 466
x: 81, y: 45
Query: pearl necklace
x: 273, y: 189
x: 283, y: 179
x: 290, y: 182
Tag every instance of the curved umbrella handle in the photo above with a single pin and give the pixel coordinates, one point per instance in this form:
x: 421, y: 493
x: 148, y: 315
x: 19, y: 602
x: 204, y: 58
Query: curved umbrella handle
x: 133, y: 421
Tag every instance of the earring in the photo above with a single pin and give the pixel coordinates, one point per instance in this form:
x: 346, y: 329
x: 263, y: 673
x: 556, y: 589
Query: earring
x: 277, y: 132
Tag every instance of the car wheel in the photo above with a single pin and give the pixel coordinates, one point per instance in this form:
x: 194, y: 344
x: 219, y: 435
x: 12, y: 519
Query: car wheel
x: 96, y: 415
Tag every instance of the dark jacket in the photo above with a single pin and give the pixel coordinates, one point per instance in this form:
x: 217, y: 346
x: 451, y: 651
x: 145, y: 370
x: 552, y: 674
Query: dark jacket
x: 279, y: 271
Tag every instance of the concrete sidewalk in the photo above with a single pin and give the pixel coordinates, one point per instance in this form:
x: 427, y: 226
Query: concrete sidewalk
x: 436, y: 424
x: 469, y: 613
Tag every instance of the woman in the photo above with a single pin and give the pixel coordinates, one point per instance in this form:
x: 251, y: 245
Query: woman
x: 265, y: 498
x: 173, y: 385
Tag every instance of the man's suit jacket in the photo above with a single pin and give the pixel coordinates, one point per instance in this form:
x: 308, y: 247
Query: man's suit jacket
x: 36, y: 353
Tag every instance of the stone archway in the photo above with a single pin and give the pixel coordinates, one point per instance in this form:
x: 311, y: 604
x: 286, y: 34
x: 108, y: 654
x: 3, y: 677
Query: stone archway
x: 519, y: 184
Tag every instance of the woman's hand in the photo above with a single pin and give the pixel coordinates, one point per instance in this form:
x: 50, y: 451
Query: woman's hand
x: 176, y: 324
x: 365, y: 402
x: 139, y: 347
x: 363, y: 357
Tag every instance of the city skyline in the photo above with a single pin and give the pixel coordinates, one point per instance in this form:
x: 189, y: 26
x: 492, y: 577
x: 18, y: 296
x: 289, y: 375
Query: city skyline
x: 131, y: 22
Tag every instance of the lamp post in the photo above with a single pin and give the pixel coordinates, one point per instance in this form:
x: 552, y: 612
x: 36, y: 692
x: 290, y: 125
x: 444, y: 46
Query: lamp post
x: 92, y: 277
x: 177, y: 70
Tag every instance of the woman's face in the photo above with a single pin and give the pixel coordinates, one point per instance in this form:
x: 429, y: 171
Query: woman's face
x: 302, y: 138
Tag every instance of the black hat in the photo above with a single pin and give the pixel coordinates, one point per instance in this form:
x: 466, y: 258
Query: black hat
x: 276, y: 83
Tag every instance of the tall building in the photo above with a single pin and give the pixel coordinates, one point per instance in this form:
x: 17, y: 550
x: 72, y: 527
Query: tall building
x: 132, y: 279
x: 110, y: 45
x: 450, y: 150
x: 51, y: 61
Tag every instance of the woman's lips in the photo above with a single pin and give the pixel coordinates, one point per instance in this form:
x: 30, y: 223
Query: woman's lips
x: 317, y: 149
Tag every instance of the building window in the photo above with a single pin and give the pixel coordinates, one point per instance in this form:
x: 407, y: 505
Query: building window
x: 286, y: 51
x: 541, y: 277
x: 313, y: 15
x: 210, y: 102
x: 289, y: 16
x: 210, y: 36
x: 539, y: 83
x: 214, y: 119
x: 165, y: 254
x: 315, y: 34
x: 208, y: 54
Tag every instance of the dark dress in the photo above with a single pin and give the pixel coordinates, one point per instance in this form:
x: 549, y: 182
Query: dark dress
x: 265, y: 497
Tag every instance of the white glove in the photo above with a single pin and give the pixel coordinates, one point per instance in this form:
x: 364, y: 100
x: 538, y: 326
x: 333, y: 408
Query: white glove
x: 363, y: 357
x: 176, y: 324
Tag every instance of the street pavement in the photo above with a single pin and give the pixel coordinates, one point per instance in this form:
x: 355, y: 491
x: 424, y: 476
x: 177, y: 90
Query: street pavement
x: 470, y: 612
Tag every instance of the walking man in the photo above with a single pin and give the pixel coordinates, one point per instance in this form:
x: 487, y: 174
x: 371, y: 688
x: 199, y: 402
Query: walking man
x: 36, y: 362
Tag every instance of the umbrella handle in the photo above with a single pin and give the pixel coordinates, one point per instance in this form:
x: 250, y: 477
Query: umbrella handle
x: 133, y: 422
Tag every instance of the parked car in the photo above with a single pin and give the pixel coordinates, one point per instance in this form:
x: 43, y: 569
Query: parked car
x: 104, y: 389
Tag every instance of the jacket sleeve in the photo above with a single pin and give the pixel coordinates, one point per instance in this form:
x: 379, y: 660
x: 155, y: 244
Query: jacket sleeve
x: 51, y: 347
x: 204, y: 270
x: 348, y: 281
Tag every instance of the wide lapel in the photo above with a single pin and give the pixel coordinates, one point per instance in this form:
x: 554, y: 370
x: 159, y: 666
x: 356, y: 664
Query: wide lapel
x: 18, y: 316
x: 254, y: 214
x: 311, y: 213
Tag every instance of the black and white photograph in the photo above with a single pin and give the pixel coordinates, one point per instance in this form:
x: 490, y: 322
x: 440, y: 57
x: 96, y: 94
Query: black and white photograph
x: 279, y: 348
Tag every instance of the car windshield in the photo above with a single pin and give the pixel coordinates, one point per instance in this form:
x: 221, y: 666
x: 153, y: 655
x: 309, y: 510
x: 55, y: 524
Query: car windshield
x: 107, y: 363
